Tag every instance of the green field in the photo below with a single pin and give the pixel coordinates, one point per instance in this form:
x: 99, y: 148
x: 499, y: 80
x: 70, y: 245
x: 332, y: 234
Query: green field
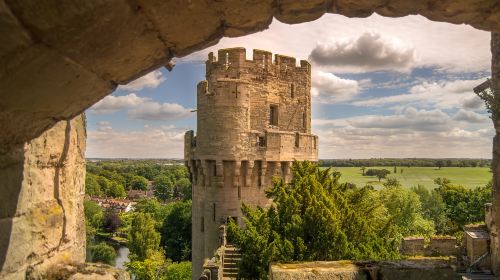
x: 412, y: 176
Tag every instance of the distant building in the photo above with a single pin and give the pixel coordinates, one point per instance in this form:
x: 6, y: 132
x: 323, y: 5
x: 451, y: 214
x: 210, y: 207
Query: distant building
x: 253, y: 121
x: 135, y: 195
x: 118, y: 205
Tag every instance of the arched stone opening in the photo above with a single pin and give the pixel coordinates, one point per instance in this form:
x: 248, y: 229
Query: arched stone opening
x: 59, y: 60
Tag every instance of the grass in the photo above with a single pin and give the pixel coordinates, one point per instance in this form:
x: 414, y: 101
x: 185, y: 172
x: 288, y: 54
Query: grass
x: 467, y: 176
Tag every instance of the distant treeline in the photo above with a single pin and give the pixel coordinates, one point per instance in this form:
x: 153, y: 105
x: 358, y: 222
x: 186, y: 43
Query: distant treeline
x: 408, y: 162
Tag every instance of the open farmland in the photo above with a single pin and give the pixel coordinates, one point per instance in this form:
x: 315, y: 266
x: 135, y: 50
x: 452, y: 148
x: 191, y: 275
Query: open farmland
x: 412, y: 176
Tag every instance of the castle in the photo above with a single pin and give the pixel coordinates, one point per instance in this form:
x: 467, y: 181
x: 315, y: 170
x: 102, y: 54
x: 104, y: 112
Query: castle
x: 253, y: 121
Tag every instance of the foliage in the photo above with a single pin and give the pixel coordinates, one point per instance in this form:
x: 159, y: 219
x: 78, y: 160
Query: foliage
x: 313, y: 219
x: 139, y: 183
x: 113, y: 177
x: 143, y: 239
x: 433, y: 208
x: 184, y: 188
x: 103, y: 253
x: 379, y: 173
x: 164, y: 187
x: 92, y: 187
x: 405, y: 210
x: 148, y: 269
x: 94, y: 215
x: 176, y: 232
x: 111, y: 220
x: 463, y: 206
x: 156, y: 267
x: 178, y: 271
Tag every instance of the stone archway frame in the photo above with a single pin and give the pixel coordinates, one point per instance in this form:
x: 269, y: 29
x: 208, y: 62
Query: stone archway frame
x: 60, y: 57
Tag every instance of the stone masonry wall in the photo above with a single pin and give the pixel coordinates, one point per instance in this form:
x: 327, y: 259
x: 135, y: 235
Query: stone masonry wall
x: 41, y: 208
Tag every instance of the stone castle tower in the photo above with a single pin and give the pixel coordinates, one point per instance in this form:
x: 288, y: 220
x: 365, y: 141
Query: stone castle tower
x: 254, y: 120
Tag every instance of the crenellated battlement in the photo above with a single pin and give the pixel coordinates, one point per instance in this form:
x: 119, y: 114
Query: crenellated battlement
x: 235, y: 58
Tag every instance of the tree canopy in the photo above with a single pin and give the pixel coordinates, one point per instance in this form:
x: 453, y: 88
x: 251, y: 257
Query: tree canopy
x: 314, y: 218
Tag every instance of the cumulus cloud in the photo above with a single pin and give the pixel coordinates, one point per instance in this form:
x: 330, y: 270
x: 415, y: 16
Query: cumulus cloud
x: 406, y: 133
x: 141, y: 108
x: 469, y: 116
x: 326, y: 88
x: 370, y: 51
x: 150, y: 80
x: 111, y: 104
x: 148, y: 142
x: 159, y: 111
x: 437, y: 44
x: 440, y: 94
x: 409, y: 118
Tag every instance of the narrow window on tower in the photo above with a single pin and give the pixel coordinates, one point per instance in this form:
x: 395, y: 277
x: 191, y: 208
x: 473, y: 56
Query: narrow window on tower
x: 297, y: 139
x: 214, y: 210
x: 273, y: 115
x: 261, y: 141
x: 304, y: 120
x: 292, y: 90
x: 202, y: 224
x: 215, y: 169
x: 239, y: 192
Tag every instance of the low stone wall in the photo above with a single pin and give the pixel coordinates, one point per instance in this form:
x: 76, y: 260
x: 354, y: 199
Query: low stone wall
x: 413, y: 246
x: 438, y: 246
x: 425, y: 268
x: 443, y: 246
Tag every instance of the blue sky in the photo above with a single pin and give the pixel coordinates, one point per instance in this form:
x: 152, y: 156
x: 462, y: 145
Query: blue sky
x: 382, y: 87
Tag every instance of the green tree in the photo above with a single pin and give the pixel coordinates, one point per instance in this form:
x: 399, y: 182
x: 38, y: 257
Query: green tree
x: 382, y: 173
x: 116, y: 190
x: 313, y: 218
x: 178, y: 271
x: 150, y: 268
x: 405, y: 210
x: 156, y: 267
x: 163, y: 187
x: 92, y: 187
x: 103, y: 253
x: 439, y: 164
x: 143, y: 239
x: 94, y: 214
x: 184, y: 187
x: 139, y: 183
x: 176, y: 232
x: 433, y: 208
x: 463, y: 206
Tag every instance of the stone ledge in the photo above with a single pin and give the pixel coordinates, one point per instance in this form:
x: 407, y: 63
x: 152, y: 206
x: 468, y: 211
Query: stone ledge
x: 84, y: 271
x: 415, y: 269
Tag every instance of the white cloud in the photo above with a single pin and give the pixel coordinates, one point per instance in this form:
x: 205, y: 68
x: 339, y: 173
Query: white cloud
x: 407, y: 133
x: 469, y: 116
x: 449, y: 47
x: 151, y: 80
x: 111, y: 104
x: 149, y: 142
x: 370, y: 51
x: 408, y: 119
x: 441, y: 94
x: 328, y: 88
x: 156, y: 111
x: 141, y: 108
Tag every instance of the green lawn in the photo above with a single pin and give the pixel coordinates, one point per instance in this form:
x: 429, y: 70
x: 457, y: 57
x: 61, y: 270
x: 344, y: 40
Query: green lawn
x: 411, y: 176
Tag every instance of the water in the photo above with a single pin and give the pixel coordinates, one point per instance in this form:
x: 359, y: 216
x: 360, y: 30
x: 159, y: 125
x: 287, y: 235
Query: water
x: 121, y: 256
